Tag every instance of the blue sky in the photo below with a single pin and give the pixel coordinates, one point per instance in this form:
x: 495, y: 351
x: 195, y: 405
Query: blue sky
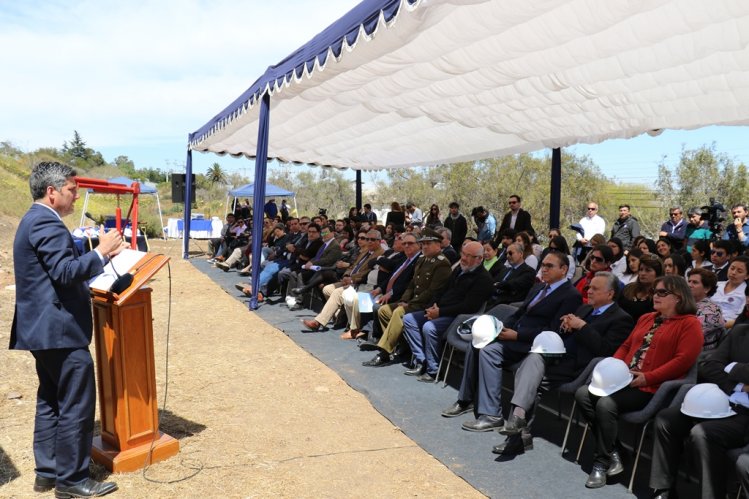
x: 134, y: 78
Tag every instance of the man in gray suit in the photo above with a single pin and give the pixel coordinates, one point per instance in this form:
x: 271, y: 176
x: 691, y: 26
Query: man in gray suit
x: 53, y: 320
x: 546, y: 303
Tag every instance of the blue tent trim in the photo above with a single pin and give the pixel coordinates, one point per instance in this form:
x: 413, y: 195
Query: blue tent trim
x: 364, y: 18
x: 248, y: 191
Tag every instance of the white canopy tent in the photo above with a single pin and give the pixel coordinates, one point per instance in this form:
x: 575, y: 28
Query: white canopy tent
x: 402, y: 83
x: 445, y: 81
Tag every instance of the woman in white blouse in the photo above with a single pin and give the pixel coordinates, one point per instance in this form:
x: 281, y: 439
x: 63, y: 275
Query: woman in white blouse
x: 730, y: 294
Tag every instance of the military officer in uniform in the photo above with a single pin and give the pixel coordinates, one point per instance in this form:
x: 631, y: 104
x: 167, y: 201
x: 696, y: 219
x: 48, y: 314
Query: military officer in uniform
x: 431, y: 275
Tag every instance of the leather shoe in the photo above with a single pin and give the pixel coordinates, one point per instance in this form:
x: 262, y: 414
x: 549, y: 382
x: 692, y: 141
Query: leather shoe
x: 87, y: 488
x: 514, y: 444
x: 484, y: 423
x: 417, y: 369
x: 425, y: 378
x: 368, y: 346
x: 457, y: 409
x: 311, y: 324
x: 597, y: 477
x: 661, y: 494
x: 616, y: 465
x: 514, y: 425
x: 223, y: 266
x: 43, y: 484
x: 379, y: 360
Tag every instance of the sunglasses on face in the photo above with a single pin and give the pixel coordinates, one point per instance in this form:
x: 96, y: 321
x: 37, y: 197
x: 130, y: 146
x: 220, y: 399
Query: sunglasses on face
x: 409, y: 243
x: 718, y: 253
x: 662, y: 292
x: 592, y: 209
x: 596, y: 259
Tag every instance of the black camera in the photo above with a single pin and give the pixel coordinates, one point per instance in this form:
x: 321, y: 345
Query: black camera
x: 714, y: 214
x: 323, y: 212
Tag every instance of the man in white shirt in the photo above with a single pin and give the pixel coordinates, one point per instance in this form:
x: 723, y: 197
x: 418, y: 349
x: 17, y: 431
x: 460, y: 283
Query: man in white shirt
x: 592, y: 224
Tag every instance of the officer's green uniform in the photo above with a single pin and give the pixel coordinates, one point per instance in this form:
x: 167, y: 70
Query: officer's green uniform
x: 430, y: 277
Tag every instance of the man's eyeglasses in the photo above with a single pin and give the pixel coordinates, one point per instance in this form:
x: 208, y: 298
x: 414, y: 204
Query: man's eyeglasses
x: 409, y: 243
x: 370, y: 239
x: 662, y: 292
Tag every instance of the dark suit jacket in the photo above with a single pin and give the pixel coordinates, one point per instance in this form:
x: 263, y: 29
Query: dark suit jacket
x: 517, y: 285
x: 401, y: 282
x: 53, y: 304
x: 600, y: 337
x: 543, y: 316
x: 734, y: 348
x: 330, y: 255
x: 522, y: 223
x: 465, y: 292
x: 388, y: 263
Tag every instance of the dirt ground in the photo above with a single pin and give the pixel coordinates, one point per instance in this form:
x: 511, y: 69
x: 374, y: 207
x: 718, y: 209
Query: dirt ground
x: 256, y: 416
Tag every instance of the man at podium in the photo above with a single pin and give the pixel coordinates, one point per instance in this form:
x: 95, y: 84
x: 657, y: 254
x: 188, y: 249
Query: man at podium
x: 53, y: 320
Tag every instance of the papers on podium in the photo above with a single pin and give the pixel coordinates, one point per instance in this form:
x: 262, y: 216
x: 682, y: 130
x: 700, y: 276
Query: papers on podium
x: 117, y: 266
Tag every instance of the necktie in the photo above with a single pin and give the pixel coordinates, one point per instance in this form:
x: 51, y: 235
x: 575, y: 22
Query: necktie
x: 394, y: 277
x: 320, y: 251
x: 507, y: 275
x: 360, y: 262
x: 540, y: 296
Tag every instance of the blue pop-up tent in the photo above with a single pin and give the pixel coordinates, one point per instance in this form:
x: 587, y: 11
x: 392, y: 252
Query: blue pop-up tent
x: 400, y: 83
x: 144, y: 189
x: 248, y: 191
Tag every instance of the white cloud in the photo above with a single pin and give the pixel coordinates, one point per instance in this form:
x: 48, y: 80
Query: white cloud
x: 131, y: 73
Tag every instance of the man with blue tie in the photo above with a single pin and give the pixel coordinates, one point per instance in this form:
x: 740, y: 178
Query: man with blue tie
x: 542, y: 310
x: 596, y: 329
x: 53, y: 320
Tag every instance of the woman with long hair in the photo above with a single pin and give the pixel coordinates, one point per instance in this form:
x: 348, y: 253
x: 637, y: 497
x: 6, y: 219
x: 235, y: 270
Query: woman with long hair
x: 637, y: 296
x: 633, y: 266
x: 729, y: 295
x: 663, y: 346
x: 524, y: 239
x: 491, y: 259
x: 674, y: 264
x: 433, y: 218
x: 396, y: 215
x: 701, y: 254
x: 619, y: 265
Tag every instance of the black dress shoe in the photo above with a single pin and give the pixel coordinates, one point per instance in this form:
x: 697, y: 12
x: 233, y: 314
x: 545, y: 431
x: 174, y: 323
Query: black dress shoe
x: 514, y: 444
x: 417, y: 369
x: 425, y: 378
x: 87, y: 488
x: 43, y: 484
x: 616, y: 465
x: 379, y: 360
x: 368, y: 346
x: 661, y: 494
x: 457, y: 409
x: 514, y: 425
x: 484, y: 423
x: 597, y: 477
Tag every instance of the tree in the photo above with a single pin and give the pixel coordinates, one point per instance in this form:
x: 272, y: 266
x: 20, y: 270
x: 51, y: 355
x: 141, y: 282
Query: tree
x: 76, y: 148
x: 125, y: 164
x: 216, y: 174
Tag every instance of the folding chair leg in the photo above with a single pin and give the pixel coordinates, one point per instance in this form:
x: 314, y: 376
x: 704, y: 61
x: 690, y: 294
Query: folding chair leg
x: 442, y: 359
x: 447, y: 367
x: 637, y: 456
x: 582, y: 441
x: 569, y: 425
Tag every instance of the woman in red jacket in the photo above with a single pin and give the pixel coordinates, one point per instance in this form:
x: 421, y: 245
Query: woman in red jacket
x: 663, y: 346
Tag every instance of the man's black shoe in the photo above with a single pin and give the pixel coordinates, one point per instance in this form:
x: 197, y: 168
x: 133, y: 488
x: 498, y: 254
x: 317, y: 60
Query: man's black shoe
x: 484, y: 423
x: 514, y: 444
x: 43, y: 484
x: 368, y: 346
x: 417, y: 369
x: 379, y: 360
x: 457, y: 409
x: 661, y: 494
x: 514, y: 425
x: 616, y: 465
x: 597, y: 477
x: 87, y: 488
x: 425, y: 378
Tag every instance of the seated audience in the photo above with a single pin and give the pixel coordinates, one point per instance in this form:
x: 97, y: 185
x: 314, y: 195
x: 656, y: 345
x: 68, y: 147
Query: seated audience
x: 647, y: 246
x: 663, y: 346
x: 447, y: 249
x: 514, y: 280
x: 481, y: 386
x: 720, y: 256
x: 598, y: 260
x: 491, y: 259
x: 559, y: 243
x: 619, y: 264
x: 663, y: 248
x: 710, y: 439
x: 596, y: 329
x: 530, y: 258
x: 674, y: 264
x: 700, y: 253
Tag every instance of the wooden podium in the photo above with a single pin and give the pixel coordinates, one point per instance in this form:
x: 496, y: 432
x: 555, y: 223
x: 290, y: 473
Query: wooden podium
x: 123, y: 332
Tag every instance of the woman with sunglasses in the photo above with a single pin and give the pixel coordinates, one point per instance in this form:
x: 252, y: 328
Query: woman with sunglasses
x: 598, y: 260
x: 663, y: 346
x: 729, y: 294
x: 637, y: 296
x: 702, y: 284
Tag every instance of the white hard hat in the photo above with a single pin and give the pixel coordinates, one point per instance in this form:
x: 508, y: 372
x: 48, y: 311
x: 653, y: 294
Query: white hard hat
x: 349, y: 295
x: 548, y: 343
x: 484, y: 330
x: 706, y: 401
x: 465, y: 328
x: 609, y: 376
x: 290, y: 301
